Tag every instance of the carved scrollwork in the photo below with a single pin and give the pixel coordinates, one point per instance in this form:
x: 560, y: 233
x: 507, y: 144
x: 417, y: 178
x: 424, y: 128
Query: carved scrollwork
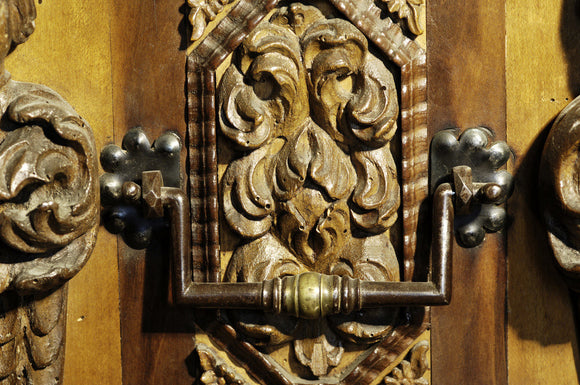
x: 48, y: 213
x: 215, y: 370
x: 559, y: 175
x: 311, y: 112
x: 409, y: 10
x: 412, y: 370
x: 47, y: 175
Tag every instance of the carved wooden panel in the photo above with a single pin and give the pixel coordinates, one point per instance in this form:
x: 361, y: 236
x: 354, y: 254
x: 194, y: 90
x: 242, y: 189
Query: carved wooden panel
x: 307, y: 153
x: 49, y: 213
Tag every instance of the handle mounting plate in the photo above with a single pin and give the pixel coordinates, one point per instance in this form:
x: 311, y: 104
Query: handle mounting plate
x: 472, y: 165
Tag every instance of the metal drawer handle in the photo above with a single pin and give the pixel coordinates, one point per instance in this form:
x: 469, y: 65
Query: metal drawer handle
x: 464, y: 178
x: 308, y: 295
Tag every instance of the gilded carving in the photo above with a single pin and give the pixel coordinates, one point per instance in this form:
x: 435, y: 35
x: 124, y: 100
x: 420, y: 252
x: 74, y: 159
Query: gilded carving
x: 311, y: 113
x: 48, y: 211
x: 411, y: 371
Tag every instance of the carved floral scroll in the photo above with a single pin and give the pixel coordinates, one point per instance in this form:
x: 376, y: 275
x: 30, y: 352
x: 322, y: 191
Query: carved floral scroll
x: 409, y: 10
x: 559, y: 176
x: 48, y: 213
x: 411, y: 371
x: 310, y: 113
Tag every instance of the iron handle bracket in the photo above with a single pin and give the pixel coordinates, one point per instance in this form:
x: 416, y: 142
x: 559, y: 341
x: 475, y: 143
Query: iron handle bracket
x: 312, y: 295
x: 471, y: 164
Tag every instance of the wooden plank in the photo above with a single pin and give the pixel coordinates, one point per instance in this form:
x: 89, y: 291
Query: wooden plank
x: 543, y: 74
x: 70, y: 52
x: 149, y: 91
x: 466, y: 63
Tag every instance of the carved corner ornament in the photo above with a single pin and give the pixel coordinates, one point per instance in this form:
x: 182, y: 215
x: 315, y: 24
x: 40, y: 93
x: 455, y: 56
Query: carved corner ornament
x: 409, y: 10
x: 412, y: 370
x: 215, y: 370
x: 202, y: 12
x: 48, y: 213
x: 560, y: 193
x: 308, y: 188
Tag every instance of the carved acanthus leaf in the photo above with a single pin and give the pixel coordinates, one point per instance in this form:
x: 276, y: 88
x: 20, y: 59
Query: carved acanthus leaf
x: 376, y: 195
x: 265, y: 91
x: 202, y: 12
x: 411, y: 371
x: 311, y: 153
x: 409, y: 10
x: 318, y: 348
x: 215, y: 370
x: 312, y: 113
x: 247, y: 198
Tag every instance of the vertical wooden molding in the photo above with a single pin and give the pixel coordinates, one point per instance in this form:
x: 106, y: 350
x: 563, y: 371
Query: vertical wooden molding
x: 466, y: 72
x: 148, y: 62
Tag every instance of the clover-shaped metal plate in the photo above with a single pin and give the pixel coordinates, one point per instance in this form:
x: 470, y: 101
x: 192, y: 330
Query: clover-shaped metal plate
x: 473, y: 149
x: 121, y: 201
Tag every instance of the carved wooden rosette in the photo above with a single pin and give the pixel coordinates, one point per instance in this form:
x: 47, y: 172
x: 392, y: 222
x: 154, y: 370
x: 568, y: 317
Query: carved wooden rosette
x: 310, y: 116
x: 48, y: 213
x: 560, y: 195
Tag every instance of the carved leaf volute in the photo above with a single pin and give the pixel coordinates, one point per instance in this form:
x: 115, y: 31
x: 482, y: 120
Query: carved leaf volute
x: 334, y: 52
x: 246, y: 192
x: 372, y: 112
x: 376, y: 196
x: 560, y: 174
x: 263, y: 95
x: 49, y: 162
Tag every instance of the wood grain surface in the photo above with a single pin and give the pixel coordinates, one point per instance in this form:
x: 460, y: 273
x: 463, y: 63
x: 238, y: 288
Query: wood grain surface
x: 466, y: 77
x: 543, y: 74
x: 148, y: 76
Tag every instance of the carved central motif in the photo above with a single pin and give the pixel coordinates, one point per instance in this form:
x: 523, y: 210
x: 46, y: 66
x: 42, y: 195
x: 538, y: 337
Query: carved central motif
x: 311, y: 113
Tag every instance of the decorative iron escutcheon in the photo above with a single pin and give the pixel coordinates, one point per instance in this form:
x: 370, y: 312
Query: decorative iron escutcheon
x: 471, y: 165
x: 123, y: 186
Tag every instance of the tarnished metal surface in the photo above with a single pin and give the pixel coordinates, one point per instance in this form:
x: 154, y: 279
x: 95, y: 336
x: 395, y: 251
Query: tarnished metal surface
x: 121, y: 189
x: 471, y: 164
